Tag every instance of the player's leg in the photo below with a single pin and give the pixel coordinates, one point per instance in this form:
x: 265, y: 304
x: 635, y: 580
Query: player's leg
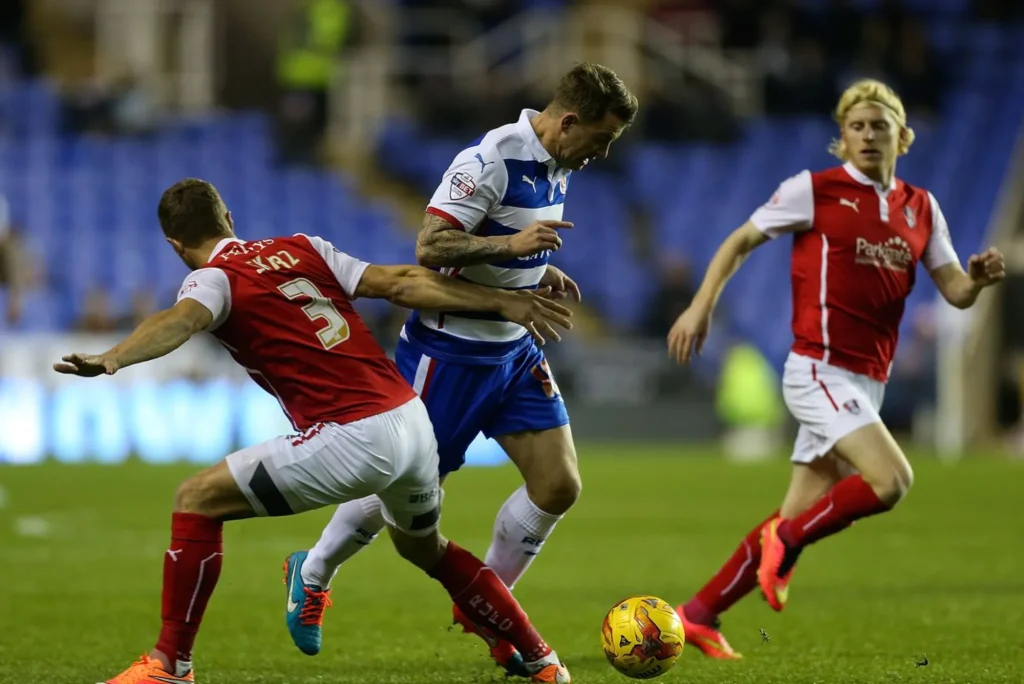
x: 455, y: 396
x: 355, y: 524
x: 532, y: 426
x: 350, y: 530
x: 738, y: 576
x: 844, y: 421
x: 412, y: 508
x: 883, y: 478
x: 193, y: 562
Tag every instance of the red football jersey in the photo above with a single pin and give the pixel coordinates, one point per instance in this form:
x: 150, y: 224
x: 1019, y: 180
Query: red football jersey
x: 856, y: 248
x: 282, y: 307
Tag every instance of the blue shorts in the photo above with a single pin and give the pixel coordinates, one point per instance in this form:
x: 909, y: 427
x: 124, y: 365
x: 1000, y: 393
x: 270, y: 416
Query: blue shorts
x: 464, y: 400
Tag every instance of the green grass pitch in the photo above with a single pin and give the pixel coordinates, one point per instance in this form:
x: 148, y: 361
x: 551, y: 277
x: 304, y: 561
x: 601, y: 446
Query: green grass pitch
x: 81, y: 548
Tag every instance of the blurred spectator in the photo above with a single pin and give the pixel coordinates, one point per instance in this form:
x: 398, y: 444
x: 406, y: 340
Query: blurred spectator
x: 308, y: 60
x: 875, y: 51
x: 842, y: 29
x: 97, y: 315
x: 123, y: 107
x: 15, y: 268
x: 14, y: 35
x: 741, y: 23
x: 143, y: 304
x: 918, y: 74
x: 912, y: 387
x: 999, y: 10
x: 674, y: 293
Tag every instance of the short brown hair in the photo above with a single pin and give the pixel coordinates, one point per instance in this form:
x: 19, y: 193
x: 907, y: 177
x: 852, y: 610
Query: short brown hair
x: 192, y: 211
x: 592, y: 90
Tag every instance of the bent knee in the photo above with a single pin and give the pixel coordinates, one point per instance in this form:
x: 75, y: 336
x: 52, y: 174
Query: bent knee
x: 891, y: 484
x: 194, y: 495
x: 556, y: 495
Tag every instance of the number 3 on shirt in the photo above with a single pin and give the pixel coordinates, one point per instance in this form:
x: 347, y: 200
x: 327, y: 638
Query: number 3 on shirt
x: 319, y: 308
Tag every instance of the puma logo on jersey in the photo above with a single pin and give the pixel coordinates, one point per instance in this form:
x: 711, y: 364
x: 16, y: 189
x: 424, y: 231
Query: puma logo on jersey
x: 483, y: 164
x: 274, y: 262
x: 531, y: 181
x: 173, y: 553
x: 853, y: 204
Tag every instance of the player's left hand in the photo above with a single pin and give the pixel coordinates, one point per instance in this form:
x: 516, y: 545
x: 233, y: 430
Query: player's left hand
x: 561, y: 285
x: 986, y: 268
x: 86, y: 365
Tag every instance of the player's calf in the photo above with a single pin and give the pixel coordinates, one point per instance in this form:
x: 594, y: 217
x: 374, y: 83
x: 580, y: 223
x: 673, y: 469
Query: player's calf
x: 483, y: 598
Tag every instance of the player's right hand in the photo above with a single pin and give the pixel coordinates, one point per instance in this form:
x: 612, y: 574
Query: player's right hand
x: 539, y: 236
x: 535, y: 312
x: 86, y: 365
x: 688, y: 333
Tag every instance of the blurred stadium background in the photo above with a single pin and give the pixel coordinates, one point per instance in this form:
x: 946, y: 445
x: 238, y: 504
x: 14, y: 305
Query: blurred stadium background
x: 337, y: 117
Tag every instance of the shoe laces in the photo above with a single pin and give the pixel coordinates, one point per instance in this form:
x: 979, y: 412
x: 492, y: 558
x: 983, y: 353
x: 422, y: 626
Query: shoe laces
x: 313, y: 607
x: 138, y: 671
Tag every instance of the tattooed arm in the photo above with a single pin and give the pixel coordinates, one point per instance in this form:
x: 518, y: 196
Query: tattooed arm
x: 441, y: 244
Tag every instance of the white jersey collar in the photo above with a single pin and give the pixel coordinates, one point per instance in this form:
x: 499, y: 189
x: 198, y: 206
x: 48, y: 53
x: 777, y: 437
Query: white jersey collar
x: 530, y: 138
x: 856, y: 175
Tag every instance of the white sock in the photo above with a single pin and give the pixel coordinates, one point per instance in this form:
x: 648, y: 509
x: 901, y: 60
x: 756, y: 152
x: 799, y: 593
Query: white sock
x: 354, y: 525
x: 520, y: 531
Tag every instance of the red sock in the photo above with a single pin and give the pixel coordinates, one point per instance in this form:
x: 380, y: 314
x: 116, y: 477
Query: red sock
x: 736, y: 579
x: 191, y: 568
x: 850, y: 499
x: 483, y: 597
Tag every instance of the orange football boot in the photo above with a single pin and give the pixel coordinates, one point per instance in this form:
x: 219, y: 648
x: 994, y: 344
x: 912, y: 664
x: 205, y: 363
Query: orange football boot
x: 503, y: 653
x: 708, y: 639
x: 773, y: 555
x: 552, y: 674
x: 148, y: 670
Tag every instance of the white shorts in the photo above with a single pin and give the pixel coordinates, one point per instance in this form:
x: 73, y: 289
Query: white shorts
x: 392, y: 455
x: 828, y: 402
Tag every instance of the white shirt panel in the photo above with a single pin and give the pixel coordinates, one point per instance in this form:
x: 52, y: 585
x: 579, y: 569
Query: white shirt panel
x: 211, y: 288
x: 512, y: 278
x: 940, y: 250
x: 790, y: 209
x: 346, y: 269
x: 472, y: 186
x: 502, y: 168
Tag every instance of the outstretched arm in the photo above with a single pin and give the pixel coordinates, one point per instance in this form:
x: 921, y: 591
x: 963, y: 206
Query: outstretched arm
x: 157, y: 336
x: 790, y: 209
x: 415, y: 287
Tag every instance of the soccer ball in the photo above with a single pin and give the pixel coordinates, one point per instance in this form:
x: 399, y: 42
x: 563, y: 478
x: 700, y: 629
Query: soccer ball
x: 642, y: 637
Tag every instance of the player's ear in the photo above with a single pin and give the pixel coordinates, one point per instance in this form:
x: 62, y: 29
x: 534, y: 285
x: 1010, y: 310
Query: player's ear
x: 568, y: 121
x: 230, y: 220
x: 177, y: 245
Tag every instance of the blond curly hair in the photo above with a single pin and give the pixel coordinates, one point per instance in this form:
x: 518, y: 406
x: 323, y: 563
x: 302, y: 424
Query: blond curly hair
x: 873, y: 92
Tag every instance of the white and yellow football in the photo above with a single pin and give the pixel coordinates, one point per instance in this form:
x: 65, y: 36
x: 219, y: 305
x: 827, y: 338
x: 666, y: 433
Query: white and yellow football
x: 642, y: 637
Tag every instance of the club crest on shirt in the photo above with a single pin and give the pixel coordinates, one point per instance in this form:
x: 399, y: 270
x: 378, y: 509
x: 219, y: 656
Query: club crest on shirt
x: 462, y: 186
x: 908, y: 214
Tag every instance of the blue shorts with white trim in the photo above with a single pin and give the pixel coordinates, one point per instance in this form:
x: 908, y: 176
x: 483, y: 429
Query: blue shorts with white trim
x: 465, y: 399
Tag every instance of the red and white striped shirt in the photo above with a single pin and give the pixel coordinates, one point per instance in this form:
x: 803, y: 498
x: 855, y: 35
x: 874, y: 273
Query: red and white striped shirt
x: 856, y: 246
